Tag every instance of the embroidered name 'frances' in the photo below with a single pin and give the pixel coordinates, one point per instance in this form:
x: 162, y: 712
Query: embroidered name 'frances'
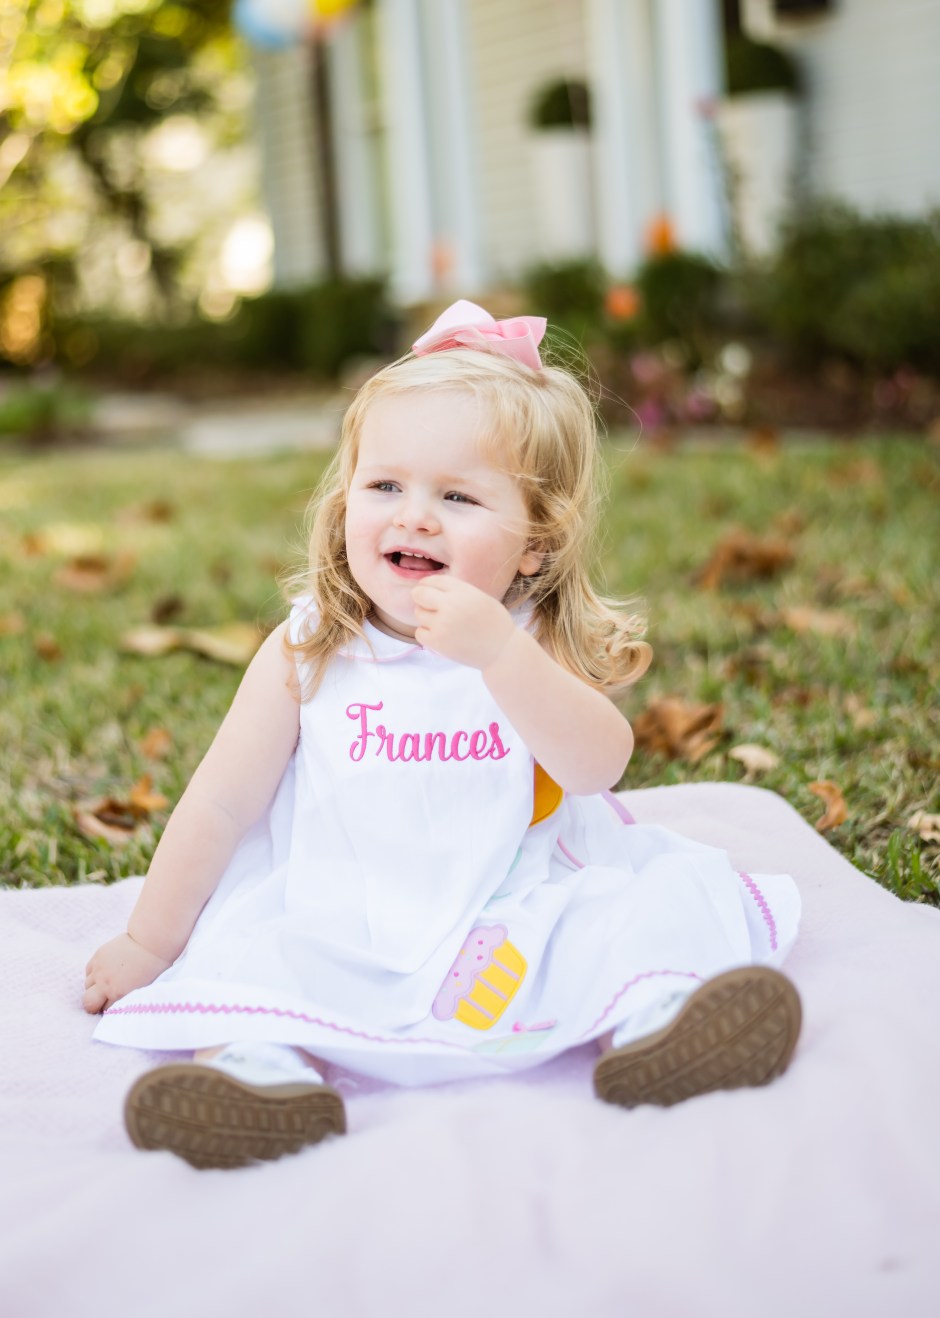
x: 480, y: 744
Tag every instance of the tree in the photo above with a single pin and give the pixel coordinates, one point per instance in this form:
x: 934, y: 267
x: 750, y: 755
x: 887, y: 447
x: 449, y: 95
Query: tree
x: 85, y: 83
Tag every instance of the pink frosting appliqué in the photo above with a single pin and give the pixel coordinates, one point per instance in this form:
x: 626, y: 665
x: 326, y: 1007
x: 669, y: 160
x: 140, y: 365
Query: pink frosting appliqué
x: 474, y: 957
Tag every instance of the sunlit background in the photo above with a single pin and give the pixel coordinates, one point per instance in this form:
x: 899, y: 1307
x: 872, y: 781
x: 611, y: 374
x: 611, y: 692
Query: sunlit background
x: 288, y: 184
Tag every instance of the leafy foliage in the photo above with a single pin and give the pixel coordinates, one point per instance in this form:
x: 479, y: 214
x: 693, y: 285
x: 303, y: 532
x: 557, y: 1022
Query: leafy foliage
x: 565, y: 103
x: 679, y: 293
x: 756, y: 66
x: 86, y: 80
x: 866, y: 288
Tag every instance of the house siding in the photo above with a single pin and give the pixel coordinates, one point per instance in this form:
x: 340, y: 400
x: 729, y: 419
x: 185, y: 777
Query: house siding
x: 513, y: 50
x: 872, y: 74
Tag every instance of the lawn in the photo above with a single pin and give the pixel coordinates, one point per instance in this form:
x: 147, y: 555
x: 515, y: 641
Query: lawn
x: 813, y: 639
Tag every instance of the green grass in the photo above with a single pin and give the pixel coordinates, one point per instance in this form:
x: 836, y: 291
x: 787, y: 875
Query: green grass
x: 859, y: 708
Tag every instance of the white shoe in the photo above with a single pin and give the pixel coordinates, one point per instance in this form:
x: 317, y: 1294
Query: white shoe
x: 263, y: 1064
x: 652, y: 1018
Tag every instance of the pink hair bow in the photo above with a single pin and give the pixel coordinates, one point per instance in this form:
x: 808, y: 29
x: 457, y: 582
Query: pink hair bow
x: 465, y: 325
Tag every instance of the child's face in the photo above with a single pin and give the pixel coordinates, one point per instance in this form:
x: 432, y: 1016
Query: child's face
x: 424, y: 500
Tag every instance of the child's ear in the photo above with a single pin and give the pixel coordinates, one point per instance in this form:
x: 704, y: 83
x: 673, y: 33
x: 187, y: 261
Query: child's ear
x: 532, y: 560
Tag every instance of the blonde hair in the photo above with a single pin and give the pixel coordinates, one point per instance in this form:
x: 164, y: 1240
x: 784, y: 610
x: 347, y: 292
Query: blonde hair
x: 542, y: 431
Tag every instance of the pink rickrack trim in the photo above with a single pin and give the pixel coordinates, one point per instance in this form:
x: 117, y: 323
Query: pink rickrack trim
x: 762, y: 907
x: 618, y: 807
x: 240, y: 1009
x: 631, y: 983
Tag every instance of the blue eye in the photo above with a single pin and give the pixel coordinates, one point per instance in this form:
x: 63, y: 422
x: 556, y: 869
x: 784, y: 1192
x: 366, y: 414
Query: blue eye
x: 456, y: 497
x: 384, y: 487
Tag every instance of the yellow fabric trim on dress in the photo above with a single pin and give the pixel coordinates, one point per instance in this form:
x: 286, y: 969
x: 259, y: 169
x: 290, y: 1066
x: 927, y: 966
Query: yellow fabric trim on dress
x: 547, y: 796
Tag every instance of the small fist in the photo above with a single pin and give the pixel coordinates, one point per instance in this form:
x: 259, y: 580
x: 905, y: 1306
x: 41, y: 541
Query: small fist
x: 116, y: 969
x: 460, y: 621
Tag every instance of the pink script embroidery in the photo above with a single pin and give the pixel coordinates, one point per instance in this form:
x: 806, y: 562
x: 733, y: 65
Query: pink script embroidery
x: 481, y: 744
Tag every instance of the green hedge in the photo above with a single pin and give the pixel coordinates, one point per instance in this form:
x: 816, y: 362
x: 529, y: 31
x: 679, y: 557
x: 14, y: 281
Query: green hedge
x: 863, y: 288
x: 314, y: 330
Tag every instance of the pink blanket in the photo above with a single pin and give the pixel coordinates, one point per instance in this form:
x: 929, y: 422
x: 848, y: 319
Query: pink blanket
x: 819, y: 1195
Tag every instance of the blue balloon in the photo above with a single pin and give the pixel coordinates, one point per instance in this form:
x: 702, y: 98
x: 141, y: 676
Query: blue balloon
x: 272, y: 24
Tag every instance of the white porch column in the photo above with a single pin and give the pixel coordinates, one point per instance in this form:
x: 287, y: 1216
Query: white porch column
x: 284, y: 120
x: 355, y: 184
x: 407, y: 161
x: 689, y: 47
x: 625, y: 130
x: 457, y: 206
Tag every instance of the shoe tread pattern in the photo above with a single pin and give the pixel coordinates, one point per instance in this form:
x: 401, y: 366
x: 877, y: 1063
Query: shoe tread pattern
x: 214, y: 1120
x: 739, y: 1029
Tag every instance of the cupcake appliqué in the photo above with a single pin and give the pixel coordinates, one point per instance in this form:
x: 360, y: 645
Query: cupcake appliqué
x: 483, y: 980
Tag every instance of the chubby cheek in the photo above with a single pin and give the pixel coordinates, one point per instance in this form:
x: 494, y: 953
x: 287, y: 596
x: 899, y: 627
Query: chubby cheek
x: 359, y: 563
x: 492, y: 567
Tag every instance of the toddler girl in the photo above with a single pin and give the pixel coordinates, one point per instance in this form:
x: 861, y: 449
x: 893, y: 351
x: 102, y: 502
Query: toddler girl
x: 400, y: 854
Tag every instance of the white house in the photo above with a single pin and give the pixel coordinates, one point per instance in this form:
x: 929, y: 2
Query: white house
x: 434, y: 174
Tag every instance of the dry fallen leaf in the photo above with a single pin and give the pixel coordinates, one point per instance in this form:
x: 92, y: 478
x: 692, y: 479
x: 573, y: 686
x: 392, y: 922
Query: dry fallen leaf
x: 150, y: 641
x: 740, y: 556
x: 836, y: 810
x: 143, y: 798
x: 800, y: 697
x: 167, y: 608
x: 156, y: 744
x: 34, y: 544
x: 764, y: 440
x: 153, y: 510
x: 47, y: 647
x: 750, y: 663
x: 116, y: 820
x: 803, y: 618
x: 678, y: 729
x: 12, y: 624
x: 790, y: 521
x: 860, y: 471
x: 233, y: 643
x: 926, y: 826
x: 756, y: 759
x: 93, y: 573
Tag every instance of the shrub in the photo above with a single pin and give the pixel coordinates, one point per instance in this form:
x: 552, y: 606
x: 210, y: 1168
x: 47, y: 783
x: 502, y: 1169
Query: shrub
x: 679, y: 296
x: 571, y: 295
x: 862, y: 288
x: 753, y: 66
x: 313, y: 330
x: 565, y: 103
x: 42, y: 411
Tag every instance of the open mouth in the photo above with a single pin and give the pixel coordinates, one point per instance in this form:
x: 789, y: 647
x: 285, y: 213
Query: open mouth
x: 414, y: 562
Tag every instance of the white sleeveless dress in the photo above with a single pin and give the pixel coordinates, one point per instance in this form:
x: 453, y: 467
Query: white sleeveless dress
x: 399, y: 913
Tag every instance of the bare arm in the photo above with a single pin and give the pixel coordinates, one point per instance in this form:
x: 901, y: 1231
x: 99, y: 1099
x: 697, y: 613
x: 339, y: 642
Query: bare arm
x: 226, y: 795
x: 574, y: 731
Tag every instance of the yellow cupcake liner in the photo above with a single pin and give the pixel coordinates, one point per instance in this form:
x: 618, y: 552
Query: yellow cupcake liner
x: 493, y: 989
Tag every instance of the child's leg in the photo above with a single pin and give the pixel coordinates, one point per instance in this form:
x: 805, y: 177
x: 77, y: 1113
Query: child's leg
x: 737, y: 1029
x: 234, y: 1105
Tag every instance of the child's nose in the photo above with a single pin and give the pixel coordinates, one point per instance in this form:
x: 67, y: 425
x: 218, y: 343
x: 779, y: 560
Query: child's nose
x: 417, y: 513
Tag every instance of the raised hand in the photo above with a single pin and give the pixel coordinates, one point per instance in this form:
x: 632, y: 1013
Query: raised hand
x: 461, y: 622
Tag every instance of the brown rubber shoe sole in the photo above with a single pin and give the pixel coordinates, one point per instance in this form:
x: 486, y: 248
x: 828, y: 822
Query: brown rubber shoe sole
x: 213, y: 1120
x: 739, y: 1028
